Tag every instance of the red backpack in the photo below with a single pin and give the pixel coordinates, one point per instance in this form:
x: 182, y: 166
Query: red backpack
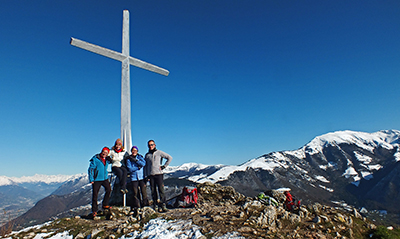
x: 188, y: 198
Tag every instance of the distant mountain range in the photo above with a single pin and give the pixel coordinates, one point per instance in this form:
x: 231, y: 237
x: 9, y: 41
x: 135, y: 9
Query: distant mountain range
x: 357, y: 168
x: 37, y: 178
x: 17, y: 195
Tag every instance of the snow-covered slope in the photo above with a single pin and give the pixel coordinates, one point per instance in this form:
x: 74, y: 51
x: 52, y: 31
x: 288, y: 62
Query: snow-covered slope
x: 192, y: 171
x: 388, y: 139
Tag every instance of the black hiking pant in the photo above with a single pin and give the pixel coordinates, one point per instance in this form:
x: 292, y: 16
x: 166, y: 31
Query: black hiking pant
x: 121, y: 173
x: 139, y: 194
x: 157, y: 184
x: 96, y: 188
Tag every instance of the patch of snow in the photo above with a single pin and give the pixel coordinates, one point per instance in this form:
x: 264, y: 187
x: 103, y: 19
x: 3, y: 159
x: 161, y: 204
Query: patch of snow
x: 363, y: 158
x: 350, y: 171
x: 300, y: 169
x: 329, y: 165
x: 279, y: 156
x: 308, y: 178
x: 375, y: 167
x: 366, y: 175
x: 61, y: 235
x: 397, y: 156
x: 196, y: 178
x: 324, y: 167
x: 326, y: 188
x: 297, y: 153
x: 322, y: 179
x: 163, y: 229
x: 180, y: 229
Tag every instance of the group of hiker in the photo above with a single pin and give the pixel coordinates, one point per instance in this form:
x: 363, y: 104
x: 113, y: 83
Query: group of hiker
x: 131, y: 168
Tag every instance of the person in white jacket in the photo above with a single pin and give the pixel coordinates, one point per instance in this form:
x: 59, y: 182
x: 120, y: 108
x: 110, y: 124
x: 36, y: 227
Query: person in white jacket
x: 117, y: 155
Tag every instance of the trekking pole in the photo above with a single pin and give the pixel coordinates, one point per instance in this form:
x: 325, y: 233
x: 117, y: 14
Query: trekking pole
x: 124, y: 199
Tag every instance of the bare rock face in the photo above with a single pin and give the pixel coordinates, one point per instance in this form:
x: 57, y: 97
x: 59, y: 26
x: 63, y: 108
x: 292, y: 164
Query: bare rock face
x: 216, y: 192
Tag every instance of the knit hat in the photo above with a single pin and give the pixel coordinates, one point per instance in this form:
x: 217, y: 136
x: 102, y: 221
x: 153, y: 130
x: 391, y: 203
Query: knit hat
x: 135, y: 147
x: 118, y: 141
x: 105, y: 149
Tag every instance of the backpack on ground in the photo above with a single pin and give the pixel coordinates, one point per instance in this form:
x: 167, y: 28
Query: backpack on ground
x: 267, y: 200
x: 188, y: 197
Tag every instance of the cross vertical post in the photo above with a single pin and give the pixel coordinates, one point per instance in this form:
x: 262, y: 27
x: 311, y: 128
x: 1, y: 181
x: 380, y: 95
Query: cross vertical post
x: 125, y: 86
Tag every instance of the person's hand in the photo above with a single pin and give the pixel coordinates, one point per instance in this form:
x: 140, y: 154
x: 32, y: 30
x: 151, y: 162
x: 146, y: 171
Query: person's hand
x: 132, y: 158
x: 91, y: 182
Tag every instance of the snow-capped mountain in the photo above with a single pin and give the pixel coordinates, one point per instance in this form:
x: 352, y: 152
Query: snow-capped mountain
x: 368, y: 142
x: 344, y: 165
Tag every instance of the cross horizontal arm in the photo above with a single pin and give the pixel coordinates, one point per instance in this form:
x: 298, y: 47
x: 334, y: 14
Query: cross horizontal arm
x: 117, y: 56
x: 148, y: 66
x: 97, y: 49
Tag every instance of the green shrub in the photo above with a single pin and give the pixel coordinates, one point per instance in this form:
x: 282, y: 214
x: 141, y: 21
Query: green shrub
x: 381, y: 232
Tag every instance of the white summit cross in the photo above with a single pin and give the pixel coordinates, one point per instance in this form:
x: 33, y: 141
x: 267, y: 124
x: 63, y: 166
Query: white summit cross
x: 126, y: 60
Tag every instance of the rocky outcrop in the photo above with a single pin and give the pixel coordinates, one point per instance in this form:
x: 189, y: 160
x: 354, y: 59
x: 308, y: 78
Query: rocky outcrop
x: 220, y: 211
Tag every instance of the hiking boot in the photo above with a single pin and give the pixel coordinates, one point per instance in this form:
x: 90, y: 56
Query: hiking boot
x: 163, y: 208
x: 155, y: 208
x: 92, y: 215
x: 146, y: 203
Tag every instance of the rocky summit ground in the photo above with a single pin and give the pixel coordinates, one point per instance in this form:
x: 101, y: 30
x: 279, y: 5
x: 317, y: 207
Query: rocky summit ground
x: 221, y: 212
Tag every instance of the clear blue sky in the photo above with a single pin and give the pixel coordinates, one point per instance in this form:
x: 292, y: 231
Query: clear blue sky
x: 246, y: 78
